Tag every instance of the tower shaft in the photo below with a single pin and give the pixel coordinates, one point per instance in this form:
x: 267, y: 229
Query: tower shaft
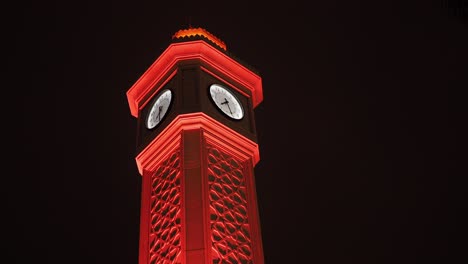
x: 198, y: 198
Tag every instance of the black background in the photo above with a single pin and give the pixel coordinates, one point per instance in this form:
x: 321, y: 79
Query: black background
x: 357, y: 131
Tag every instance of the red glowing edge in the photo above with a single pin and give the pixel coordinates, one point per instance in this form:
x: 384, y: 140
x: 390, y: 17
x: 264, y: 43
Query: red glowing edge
x: 201, y: 50
x: 214, y: 132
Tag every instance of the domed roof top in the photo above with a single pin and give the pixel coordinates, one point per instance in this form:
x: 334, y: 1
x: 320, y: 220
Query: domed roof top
x: 201, y: 32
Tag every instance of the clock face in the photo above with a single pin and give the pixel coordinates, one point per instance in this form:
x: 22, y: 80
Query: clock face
x: 159, y: 109
x: 226, y: 101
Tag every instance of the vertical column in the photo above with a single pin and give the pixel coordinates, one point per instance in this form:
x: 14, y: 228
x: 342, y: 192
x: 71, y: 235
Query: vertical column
x: 196, y: 252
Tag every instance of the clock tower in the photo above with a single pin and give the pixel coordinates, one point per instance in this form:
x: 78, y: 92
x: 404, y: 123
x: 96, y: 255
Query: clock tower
x: 196, y: 152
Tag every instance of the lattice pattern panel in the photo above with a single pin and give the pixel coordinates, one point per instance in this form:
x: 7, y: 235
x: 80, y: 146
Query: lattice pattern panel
x: 231, y: 242
x: 165, y: 229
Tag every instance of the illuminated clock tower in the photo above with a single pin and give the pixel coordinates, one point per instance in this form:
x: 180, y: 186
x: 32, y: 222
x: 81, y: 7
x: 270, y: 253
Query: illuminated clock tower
x: 196, y: 153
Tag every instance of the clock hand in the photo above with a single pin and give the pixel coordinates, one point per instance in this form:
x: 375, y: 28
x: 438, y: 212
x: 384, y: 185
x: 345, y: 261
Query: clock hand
x: 227, y: 102
x: 159, y: 112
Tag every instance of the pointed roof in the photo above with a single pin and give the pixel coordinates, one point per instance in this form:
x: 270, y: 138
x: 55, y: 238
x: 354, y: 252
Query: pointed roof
x: 201, y: 32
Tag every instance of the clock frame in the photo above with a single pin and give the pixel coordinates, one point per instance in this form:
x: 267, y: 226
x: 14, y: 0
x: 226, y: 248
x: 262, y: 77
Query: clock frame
x: 226, y: 101
x: 159, y: 108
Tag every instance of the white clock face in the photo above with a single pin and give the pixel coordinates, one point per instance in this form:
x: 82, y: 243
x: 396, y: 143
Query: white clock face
x: 226, y: 101
x: 159, y: 109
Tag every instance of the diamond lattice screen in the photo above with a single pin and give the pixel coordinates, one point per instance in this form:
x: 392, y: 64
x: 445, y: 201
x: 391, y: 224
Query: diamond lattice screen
x: 230, y: 229
x: 165, y: 229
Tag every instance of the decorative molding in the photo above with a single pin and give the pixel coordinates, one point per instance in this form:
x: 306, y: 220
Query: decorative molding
x: 214, y: 132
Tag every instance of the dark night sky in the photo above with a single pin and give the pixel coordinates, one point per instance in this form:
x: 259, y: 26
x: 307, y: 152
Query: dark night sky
x: 357, y: 130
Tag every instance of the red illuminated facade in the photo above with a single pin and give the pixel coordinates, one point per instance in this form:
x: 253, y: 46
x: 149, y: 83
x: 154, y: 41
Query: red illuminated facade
x: 198, y: 200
